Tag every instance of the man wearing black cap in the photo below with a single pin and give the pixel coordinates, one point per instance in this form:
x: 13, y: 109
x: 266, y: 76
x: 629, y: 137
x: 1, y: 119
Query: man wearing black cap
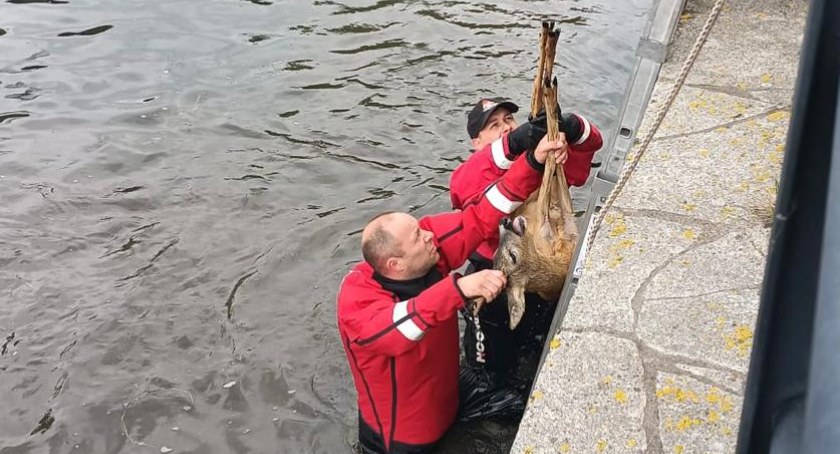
x: 510, y: 357
x: 489, y: 119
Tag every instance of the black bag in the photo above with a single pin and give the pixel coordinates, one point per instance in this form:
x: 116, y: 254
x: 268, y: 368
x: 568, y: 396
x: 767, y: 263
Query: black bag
x: 484, y: 396
x: 500, y: 364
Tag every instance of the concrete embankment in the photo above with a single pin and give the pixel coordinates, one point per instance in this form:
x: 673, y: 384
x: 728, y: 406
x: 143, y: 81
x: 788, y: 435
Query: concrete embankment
x: 653, y: 352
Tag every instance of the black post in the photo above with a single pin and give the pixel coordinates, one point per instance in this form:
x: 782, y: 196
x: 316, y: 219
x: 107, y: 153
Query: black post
x: 791, y: 403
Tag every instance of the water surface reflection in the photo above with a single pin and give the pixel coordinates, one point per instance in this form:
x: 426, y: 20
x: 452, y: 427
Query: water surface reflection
x: 183, y: 185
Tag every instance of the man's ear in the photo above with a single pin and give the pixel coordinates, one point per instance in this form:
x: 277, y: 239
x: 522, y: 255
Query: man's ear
x: 394, y: 264
x: 475, y: 143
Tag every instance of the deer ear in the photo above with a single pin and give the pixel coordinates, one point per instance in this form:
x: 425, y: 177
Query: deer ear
x: 518, y: 225
x: 511, y: 226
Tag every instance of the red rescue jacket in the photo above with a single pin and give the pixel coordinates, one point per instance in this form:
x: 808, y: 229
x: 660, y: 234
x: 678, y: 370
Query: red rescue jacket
x: 487, y: 165
x: 404, y: 352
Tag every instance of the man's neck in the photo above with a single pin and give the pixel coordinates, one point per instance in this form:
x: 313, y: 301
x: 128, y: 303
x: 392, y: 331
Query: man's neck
x: 408, y: 287
x: 399, y: 276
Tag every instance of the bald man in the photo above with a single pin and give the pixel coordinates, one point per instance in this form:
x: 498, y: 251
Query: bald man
x: 397, y: 309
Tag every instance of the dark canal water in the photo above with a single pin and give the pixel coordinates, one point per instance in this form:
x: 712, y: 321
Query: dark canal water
x: 182, y: 185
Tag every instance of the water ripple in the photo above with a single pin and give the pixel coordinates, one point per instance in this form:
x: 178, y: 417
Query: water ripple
x: 449, y: 19
x: 323, y: 86
x: 344, y: 9
x: 360, y: 28
x: 8, y: 117
x: 254, y: 39
x: 51, y: 2
x: 28, y: 95
x: 89, y: 32
x: 388, y: 44
x: 206, y: 159
x: 316, y: 143
x: 298, y: 65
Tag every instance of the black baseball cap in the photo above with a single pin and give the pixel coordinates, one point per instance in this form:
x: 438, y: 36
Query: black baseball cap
x: 481, y: 112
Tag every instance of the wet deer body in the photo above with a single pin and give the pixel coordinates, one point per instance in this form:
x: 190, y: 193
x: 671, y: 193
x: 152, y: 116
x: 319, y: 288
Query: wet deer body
x: 536, y: 259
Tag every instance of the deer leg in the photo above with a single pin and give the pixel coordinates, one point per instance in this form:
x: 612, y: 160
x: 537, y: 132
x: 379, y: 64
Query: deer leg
x: 536, y: 94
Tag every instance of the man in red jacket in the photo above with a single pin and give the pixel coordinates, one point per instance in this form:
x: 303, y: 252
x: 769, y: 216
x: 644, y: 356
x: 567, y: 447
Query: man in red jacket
x: 510, y: 357
x: 397, y: 310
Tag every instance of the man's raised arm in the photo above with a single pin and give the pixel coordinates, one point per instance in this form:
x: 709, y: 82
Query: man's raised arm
x: 464, y: 231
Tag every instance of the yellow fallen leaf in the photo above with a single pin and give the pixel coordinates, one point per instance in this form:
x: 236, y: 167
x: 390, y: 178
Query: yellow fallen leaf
x: 778, y: 116
x: 626, y: 243
x: 601, y: 446
x: 632, y: 443
x: 689, y: 234
x: 679, y: 449
x: 620, y: 396
x: 618, y: 229
x: 565, y: 447
x: 713, y: 396
x: 726, y: 404
x: 686, y: 423
x: 537, y: 395
x: 666, y: 391
x: 555, y: 343
x: 739, y: 339
x: 766, y: 78
x: 687, y: 394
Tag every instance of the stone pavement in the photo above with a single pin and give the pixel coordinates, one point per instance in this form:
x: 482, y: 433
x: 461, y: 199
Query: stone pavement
x: 654, y: 350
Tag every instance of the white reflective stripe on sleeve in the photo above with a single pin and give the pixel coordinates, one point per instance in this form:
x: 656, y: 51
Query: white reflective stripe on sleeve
x: 502, y: 203
x: 499, y: 157
x: 408, y: 328
x: 587, y: 129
